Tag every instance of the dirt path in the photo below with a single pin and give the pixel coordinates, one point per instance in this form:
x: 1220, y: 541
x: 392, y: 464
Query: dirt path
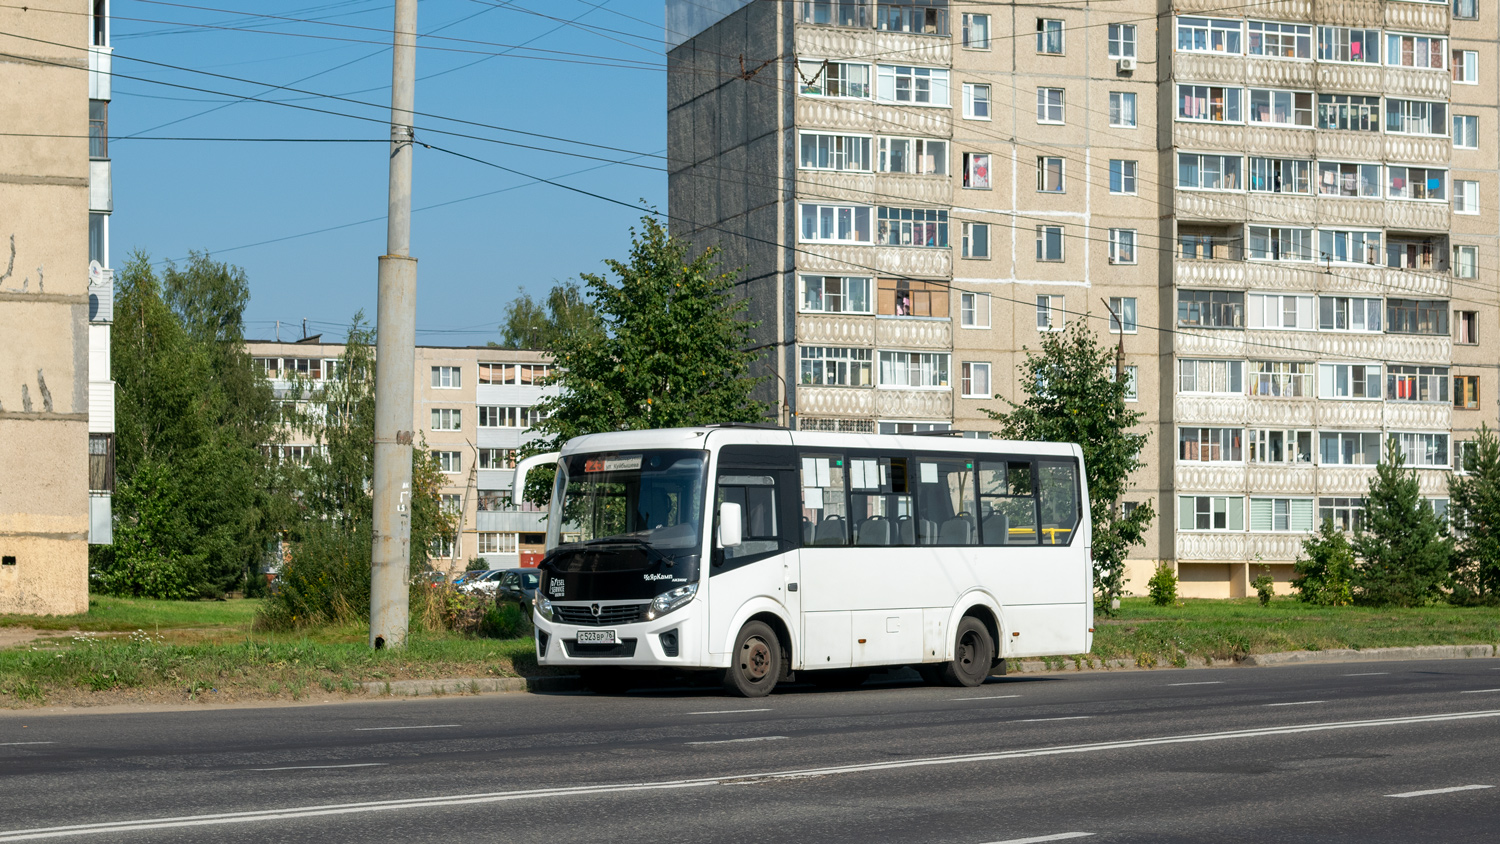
x: 12, y: 636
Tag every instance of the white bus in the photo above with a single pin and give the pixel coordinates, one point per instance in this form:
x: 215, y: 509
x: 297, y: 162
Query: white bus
x: 770, y: 554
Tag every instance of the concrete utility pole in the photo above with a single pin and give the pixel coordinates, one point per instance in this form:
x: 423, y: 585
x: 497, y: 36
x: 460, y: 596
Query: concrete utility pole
x: 395, y: 359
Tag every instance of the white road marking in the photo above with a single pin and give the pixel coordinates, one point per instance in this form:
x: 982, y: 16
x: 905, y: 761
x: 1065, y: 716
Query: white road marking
x: 1202, y: 683
x: 736, y: 740
x: 991, y: 697
x: 1063, y: 718
x: 19, y: 743
x: 1061, y: 836
x: 423, y: 727
x: 320, y: 767
x: 1477, y: 691
x: 1297, y: 703
x: 1367, y: 674
x: 296, y: 812
x: 1440, y: 791
x: 728, y: 711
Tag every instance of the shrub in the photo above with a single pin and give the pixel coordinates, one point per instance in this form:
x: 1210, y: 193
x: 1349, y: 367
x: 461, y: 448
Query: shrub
x: 507, y: 620
x: 1163, y: 586
x: 1264, y: 587
x: 1324, y: 576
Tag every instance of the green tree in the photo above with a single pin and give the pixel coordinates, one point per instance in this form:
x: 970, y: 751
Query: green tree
x: 1474, y: 514
x: 565, y: 317
x: 1072, y: 396
x: 670, y: 352
x: 1403, y: 549
x: 1324, y: 571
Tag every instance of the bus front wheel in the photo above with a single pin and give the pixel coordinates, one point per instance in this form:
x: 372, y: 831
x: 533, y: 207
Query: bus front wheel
x: 755, y: 665
x: 973, y: 653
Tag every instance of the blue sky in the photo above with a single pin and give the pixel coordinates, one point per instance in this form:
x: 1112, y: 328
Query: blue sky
x: 597, y: 79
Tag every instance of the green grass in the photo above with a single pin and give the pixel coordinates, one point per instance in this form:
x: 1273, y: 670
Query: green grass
x: 108, y: 614
x: 1232, y: 629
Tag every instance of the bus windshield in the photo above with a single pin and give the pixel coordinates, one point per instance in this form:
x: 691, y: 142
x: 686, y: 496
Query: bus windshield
x: 647, y: 497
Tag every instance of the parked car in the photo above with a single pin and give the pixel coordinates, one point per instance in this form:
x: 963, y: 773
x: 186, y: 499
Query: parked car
x: 517, y: 585
x: 482, y: 582
x: 433, y: 579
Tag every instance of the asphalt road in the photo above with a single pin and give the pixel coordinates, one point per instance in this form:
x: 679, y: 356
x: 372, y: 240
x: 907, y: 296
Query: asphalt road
x: 1367, y: 752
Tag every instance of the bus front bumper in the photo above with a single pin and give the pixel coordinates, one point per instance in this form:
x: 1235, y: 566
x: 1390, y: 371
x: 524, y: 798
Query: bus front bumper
x: 671, y: 641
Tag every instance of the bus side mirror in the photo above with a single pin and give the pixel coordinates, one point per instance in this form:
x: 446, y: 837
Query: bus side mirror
x: 729, y: 525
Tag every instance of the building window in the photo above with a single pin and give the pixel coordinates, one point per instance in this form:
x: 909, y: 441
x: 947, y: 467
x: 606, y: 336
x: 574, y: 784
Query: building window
x: 1466, y: 131
x: 101, y: 462
x: 1416, y: 117
x: 976, y: 32
x: 905, y: 298
x: 524, y: 374
x: 497, y: 458
x: 829, y: 294
x: 976, y: 380
x: 976, y: 101
x: 447, y: 419
x: 1122, y: 110
x: 1278, y: 446
x: 851, y: 13
x: 1465, y: 196
x: 98, y: 128
x: 1416, y: 316
x: 1464, y: 455
x: 1466, y: 392
x: 1347, y: 179
x: 1282, y: 175
x: 1121, y: 176
x: 922, y: 17
x: 449, y: 462
x: 912, y: 85
x: 1122, y: 315
x: 497, y: 543
x: 1280, y: 379
x: 1049, y: 243
x: 913, y: 369
x: 1211, y: 308
x: 1416, y: 383
x: 834, y: 79
x: 974, y: 310
x: 1419, y: 183
x: 1210, y: 172
x: 1212, y: 103
x: 1347, y: 313
x: 1206, y: 35
x: 1122, y: 40
x: 1051, y: 313
x: 1348, y: 448
x: 837, y: 367
x: 1466, y: 9
x: 1278, y: 310
x: 1280, y: 40
x: 976, y: 243
x: 1210, y: 512
x: 442, y: 546
x: 1210, y: 445
x: 1049, y: 174
x: 1429, y: 451
x: 1049, y: 36
x: 1122, y: 246
x: 1132, y: 383
x: 1049, y: 105
x: 453, y: 503
x: 836, y: 152
x: 977, y: 170
x: 1225, y: 377
x: 836, y: 224
x: 1342, y: 44
x: 493, y: 416
x: 1414, y: 254
x: 98, y: 239
x: 926, y: 227
x: 1281, y: 515
x: 918, y: 156
x: 1350, y: 112
x: 1276, y: 243
x: 1466, y: 327
x: 1345, y: 514
x: 447, y: 377
x: 1340, y: 246
x: 1424, y: 51
x: 1281, y: 108
x: 1349, y: 381
x: 1465, y: 67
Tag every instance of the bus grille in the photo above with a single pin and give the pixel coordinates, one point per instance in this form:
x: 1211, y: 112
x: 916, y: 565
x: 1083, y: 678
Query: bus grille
x: 626, y: 647
x: 580, y: 614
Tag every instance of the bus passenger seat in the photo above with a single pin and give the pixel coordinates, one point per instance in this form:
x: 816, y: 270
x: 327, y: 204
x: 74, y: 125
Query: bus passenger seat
x: 875, y: 530
x: 906, y: 528
x: 807, y: 531
x: 997, y: 529
x: 831, y: 531
x: 956, y: 531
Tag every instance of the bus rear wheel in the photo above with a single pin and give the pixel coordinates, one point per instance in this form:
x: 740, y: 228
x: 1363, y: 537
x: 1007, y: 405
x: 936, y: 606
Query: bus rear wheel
x: 973, y: 653
x: 755, y: 665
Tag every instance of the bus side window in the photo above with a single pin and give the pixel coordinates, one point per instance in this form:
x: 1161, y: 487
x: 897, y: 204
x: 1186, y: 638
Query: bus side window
x: 1059, y: 501
x: 755, y: 492
x: 946, y: 506
x: 1007, y: 502
x: 825, y: 515
x: 880, y: 506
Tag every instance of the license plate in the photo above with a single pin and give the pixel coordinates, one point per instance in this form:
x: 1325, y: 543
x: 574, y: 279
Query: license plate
x: 596, y: 637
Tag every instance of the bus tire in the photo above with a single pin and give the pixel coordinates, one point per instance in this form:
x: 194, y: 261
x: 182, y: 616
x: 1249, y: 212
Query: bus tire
x: 606, y: 681
x: 755, y: 665
x: 973, y: 653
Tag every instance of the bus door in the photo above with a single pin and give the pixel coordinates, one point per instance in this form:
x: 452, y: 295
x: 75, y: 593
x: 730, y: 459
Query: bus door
x: 762, y: 480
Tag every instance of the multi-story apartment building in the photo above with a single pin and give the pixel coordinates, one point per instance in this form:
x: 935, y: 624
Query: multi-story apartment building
x: 1283, y: 212
x: 473, y: 406
x: 51, y: 401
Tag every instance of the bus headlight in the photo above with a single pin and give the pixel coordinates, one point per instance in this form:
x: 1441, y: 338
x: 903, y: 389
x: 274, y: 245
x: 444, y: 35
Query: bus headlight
x: 668, y: 601
x: 542, y: 606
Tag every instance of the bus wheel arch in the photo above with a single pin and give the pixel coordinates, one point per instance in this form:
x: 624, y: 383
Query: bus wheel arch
x: 783, y: 633
x: 986, y: 616
x: 758, y: 660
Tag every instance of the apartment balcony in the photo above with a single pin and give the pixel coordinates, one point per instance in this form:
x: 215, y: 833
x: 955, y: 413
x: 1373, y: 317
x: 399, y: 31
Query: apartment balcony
x: 1261, y: 479
x: 914, y: 333
x: 1309, y: 277
x: 101, y: 518
x: 1284, y: 208
x: 861, y: 187
x: 1209, y: 68
x: 1418, y: 150
x: 1211, y: 205
x: 101, y: 189
x: 100, y: 61
x: 509, y: 521
x: 846, y: 402
x: 1418, y: 416
x: 868, y: 117
x: 858, y: 260
x: 1342, y: 345
x: 1292, y: 10
x: 820, y: 330
x: 1257, y: 140
x: 1367, y: 414
x: 1279, y: 412
x: 102, y: 299
x: 834, y: 42
x: 101, y: 407
x: 914, y: 404
x: 1416, y: 17
x: 501, y: 437
x: 1209, y: 477
x: 1379, y: 79
x: 1211, y: 410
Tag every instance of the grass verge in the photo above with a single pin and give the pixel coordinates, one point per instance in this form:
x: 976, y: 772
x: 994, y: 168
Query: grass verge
x: 108, y: 614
